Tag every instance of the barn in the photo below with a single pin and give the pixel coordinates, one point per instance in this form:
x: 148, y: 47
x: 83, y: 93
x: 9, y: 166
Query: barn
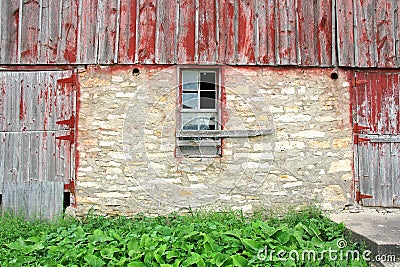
x: 152, y: 106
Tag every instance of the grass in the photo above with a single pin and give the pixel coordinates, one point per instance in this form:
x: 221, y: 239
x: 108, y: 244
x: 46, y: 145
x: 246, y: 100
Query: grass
x: 196, y: 239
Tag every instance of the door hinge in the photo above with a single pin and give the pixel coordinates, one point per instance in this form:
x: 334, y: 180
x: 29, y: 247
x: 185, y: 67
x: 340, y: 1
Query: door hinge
x: 360, y: 196
x: 357, y: 82
x: 69, y: 122
x: 70, y: 137
x: 357, y: 128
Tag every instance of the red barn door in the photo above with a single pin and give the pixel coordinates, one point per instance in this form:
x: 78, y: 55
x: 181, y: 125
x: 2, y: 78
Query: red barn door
x: 376, y: 123
x: 36, y: 141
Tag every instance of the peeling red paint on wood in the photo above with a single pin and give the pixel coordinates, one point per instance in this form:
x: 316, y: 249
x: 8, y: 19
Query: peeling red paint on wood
x: 22, y: 105
x: 287, y: 32
x: 346, y: 33
x: 187, y: 31
x: 147, y: 31
x: 88, y: 38
x: 246, y: 32
x: 375, y: 109
x: 243, y: 32
x: 127, y: 37
x: 166, y: 37
x: 207, y: 41
x: 227, y: 42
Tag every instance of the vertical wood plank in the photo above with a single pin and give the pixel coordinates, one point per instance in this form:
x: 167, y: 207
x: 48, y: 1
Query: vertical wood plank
x: 385, y: 34
x: 287, y: 32
x: 88, y: 38
x: 365, y: 33
x: 2, y: 156
x: 395, y: 154
x: 69, y: 32
x: 165, y: 33
x: 307, y: 31
x: 147, y: 31
x: 266, y: 32
x: 246, y: 32
x: 325, y: 40
x: 392, y: 103
x: 127, y: 40
x: 396, y: 25
x: 227, y: 25
x: 187, y: 31
x: 3, y: 100
x: 49, y: 32
x: 35, y: 200
x: 30, y: 28
x: 345, y: 22
x: 107, y: 15
x: 207, y: 43
x: 9, y: 25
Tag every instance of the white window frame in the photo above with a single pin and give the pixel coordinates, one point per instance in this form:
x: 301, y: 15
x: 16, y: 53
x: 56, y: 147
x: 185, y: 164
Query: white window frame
x: 198, y: 146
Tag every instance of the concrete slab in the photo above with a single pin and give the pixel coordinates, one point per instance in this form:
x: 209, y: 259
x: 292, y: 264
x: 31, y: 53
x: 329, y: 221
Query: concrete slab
x: 379, y: 228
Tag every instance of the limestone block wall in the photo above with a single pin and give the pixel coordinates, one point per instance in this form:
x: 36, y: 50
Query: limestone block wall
x: 126, y: 142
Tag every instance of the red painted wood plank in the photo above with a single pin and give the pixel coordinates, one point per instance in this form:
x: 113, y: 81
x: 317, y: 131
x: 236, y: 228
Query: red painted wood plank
x: 361, y: 101
x: 266, y: 32
x: 30, y: 31
x: 397, y: 38
x: 324, y: 32
x: 207, y: 43
x: 107, y: 14
x: 226, y: 22
x: 364, y: 39
x: 147, y: 31
x: 246, y: 32
x: 9, y: 12
x: 307, y: 32
x: 287, y: 32
x: 127, y: 38
x: 392, y: 109
x: 187, y: 28
x: 49, y: 32
x: 166, y: 34
x: 345, y: 36
x: 69, y: 32
x: 88, y: 32
x: 384, y: 34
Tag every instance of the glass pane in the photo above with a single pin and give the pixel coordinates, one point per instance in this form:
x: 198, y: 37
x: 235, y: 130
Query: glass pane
x: 189, y: 121
x: 206, y: 121
x: 207, y: 77
x: 207, y: 100
x: 207, y: 81
x: 189, y: 80
x: 190, y: 100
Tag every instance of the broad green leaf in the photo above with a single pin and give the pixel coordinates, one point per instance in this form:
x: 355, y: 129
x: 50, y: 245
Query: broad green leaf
x: 194, y: 259
x: 98, y: 236
x: 94, y: 261
x: 239, y: 260
x: 108, y: 252
x: 136, y: 264
x: 251, y: 244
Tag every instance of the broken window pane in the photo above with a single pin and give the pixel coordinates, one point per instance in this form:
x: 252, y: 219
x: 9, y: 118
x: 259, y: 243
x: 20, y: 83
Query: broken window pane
x: 207, y: 100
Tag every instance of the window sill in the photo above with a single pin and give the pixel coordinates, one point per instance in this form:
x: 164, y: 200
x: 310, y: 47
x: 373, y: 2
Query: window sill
x: 223, y: 133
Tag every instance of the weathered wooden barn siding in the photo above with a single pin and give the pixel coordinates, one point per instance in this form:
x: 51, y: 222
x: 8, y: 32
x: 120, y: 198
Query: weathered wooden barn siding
x: 35, y: 160
x: 376, y: 115
x: 243, y: 32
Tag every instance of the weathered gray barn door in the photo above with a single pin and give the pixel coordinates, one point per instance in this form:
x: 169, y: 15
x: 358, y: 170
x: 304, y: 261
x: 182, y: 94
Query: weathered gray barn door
x: 376, y: 122
x: 36, y: 140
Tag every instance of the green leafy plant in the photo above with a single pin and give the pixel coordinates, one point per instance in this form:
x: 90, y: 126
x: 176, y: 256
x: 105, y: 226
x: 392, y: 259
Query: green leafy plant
x: 197, y: 239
